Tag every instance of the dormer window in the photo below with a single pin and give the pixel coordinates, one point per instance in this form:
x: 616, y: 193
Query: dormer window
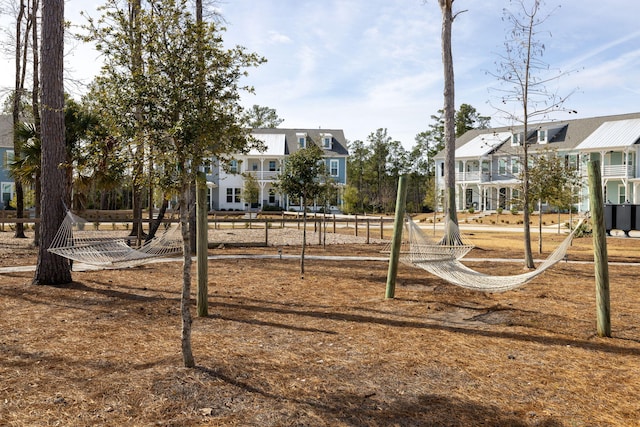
x: 548, y: 134
x: 302, y: 140
x: 327, y: 140
x: 517, y: 138
x: 542, y: 136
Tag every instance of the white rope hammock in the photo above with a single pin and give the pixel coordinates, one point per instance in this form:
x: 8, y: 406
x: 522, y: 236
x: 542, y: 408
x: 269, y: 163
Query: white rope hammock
x: 417, y: 246
x: 76, y: 242
x: 445, y: 263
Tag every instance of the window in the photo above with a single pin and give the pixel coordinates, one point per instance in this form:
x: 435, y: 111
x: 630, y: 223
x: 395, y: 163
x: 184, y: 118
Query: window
x: 234, y: 195
x: 515, y: 165
x: 516, y: 138
x: 206, y: 166
x: 272, y: 165
x: 272, y: 196
x: 233, y: 166
x: 542, y: 136
x: 7, y: 159
x: 327, y: 138
x: 622, y: 194
x: 502, y: 166
x: 254, y: 167
x: 302, y: 139
x: 8, y: 190
x: 333, y: 167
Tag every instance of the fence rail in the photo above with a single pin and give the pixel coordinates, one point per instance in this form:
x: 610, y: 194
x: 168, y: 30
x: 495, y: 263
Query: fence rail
x: 357, y: 225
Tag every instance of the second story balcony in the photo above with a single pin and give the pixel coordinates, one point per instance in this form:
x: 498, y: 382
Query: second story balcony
x: 619, y: 171
x: 473, y: 176
x: 264, y: 175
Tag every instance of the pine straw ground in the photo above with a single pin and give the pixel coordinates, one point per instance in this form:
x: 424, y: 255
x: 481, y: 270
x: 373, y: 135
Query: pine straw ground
x: 328, y: 350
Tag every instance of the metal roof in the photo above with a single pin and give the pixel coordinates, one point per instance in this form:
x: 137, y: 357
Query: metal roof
x: 482, y: 144
x: 615, y: 134
x: 273, y: 142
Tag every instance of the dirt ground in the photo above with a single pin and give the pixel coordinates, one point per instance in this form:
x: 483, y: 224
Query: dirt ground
x: 328, y: 350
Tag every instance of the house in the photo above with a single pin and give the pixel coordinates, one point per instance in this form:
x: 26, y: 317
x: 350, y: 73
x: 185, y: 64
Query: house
x: 488, y: 161
x: 7, y: 185
x: 226, y: 183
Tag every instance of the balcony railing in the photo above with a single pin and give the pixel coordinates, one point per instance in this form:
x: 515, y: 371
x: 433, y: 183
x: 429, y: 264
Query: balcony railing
x: 264, y: 175
x: 474, y: 176
x: 626, y: 171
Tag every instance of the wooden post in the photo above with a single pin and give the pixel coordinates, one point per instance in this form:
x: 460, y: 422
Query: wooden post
x: 600, y: 258
x: 368, y: 230
x: 356, y: 226
x: 266, y: 232
x: 396, y: 242
x: 202, y: 245
x: 334, y: 223
x: 381, y: 228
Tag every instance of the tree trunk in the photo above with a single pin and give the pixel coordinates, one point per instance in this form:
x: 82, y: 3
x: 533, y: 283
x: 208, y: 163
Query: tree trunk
x: 17, y: 110
x: 35, y: 103
x: 449, y: 118
x: 528, y: 255
x: 138, y: 162
x: 155, y: 224
x: 52, y: 269
x: 185, y: 299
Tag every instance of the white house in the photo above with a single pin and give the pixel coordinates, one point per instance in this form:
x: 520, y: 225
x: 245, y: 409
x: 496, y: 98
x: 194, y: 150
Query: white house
x: 227, y: 183
x: 488, y: 161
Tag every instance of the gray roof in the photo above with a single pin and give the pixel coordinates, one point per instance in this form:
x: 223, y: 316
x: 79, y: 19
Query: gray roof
x: 614, y: 134
x: 570, y: 135
x: 339, y: 143
x: 482, y: 144
x: 6, y: 131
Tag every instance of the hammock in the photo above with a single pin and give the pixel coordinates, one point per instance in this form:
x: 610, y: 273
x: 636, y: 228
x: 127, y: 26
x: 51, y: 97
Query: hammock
x: 453, y: 271
x: 76, y: 242
x: 418, y: 247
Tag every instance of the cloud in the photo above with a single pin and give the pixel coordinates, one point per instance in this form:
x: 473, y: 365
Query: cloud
x: 276, y: 37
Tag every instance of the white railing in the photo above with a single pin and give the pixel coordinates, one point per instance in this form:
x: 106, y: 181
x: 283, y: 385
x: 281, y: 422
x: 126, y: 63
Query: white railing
x: 264, y: 175
x: 474, y: 176
x: 626, y: 171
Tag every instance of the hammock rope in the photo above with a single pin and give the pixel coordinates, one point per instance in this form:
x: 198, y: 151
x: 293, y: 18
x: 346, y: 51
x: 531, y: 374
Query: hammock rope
x: 445, y: 263
x: 418, y: 247
x: 76, y: 242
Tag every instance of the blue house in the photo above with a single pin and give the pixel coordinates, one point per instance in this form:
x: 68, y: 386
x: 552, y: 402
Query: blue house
x: 7, y: 185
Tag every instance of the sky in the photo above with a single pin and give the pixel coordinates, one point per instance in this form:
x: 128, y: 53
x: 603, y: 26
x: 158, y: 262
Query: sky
x: 361, y: 65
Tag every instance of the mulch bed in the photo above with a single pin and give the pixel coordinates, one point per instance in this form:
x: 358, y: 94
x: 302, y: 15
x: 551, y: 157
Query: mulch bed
x: 329, y: 350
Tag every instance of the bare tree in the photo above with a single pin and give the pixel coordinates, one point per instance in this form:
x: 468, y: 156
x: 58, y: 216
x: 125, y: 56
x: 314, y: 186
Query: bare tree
x: 525, y: 78
x: 35, y: 102
x: 52, y: 269
x: 21, y: 49
x: 449, y: 111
